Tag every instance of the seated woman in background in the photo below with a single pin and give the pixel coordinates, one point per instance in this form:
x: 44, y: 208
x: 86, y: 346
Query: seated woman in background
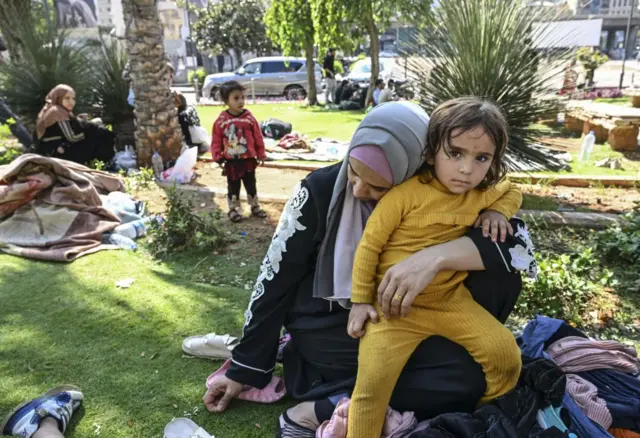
x: 60, y: 134
x: 194, y: 134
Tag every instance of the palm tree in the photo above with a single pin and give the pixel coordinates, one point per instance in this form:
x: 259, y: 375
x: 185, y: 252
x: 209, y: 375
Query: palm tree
x: 156, y: 116
x: 486, y: 48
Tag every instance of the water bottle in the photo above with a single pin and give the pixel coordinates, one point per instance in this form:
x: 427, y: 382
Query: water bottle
x: 588, y: 144
x: 134, y: 229
x: 122, y: 242
x: 157, y: 164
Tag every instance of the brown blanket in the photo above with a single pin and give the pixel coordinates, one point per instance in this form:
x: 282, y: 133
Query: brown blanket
x: 50, y: 209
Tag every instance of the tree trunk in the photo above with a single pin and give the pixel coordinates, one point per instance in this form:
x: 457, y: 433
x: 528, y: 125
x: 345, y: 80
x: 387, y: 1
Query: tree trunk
x: 12, y: 12
x: 238, y: 53
x: 375, y: 56
x: 312, y: 92
x: 156, y: 115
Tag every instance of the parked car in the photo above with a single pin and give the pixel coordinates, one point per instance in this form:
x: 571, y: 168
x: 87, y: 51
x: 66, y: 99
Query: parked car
x: 270, y: 76
x: 360, y: 71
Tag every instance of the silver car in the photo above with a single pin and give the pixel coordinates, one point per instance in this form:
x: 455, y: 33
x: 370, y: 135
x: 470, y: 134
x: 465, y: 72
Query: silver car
x: 271, y: 76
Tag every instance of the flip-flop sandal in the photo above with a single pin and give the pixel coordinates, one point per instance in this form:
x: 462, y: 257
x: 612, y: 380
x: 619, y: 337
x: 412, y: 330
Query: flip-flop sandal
x: 210, y: 346
x: 184, y: 428
x: 287, y: 428
x: 258, y: 212
x: 273, y: 392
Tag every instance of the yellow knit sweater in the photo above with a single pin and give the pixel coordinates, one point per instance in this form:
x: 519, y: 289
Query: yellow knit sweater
x: 415, y: 215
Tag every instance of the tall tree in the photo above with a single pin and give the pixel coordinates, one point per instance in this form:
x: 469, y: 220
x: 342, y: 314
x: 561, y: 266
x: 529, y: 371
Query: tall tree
x: 156, y: 115
x: 372, y: 16
x: 290, y: 26
x: 232, y: 25
x: 12, y: 12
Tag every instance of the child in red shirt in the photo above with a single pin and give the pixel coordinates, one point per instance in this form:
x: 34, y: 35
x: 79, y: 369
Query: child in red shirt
x: 237, y: 144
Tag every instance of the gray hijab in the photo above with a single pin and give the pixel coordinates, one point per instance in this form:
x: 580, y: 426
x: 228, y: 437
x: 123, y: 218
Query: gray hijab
x: 400, y: 130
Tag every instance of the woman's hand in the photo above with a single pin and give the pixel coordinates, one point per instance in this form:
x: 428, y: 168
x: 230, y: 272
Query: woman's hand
x: 403, y: 282
x: 494, y: 223
x: 358, y: 317
x: 220, y: 393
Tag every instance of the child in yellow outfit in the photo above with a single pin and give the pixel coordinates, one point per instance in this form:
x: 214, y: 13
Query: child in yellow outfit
x: 461, y: 184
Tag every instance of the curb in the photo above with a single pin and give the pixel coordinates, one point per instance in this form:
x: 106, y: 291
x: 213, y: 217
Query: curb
x: 585, y: 181
x: 551, y: 219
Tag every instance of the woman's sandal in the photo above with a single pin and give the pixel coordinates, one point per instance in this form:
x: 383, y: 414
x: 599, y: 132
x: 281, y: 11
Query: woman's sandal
x: 258, y: 212
x: 234, y: 216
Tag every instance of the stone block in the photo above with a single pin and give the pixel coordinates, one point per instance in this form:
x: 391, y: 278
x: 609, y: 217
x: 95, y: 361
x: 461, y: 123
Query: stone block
x: 623, y: 138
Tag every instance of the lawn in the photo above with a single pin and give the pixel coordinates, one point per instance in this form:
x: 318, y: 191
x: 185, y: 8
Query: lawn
x: 340, y: 125
x: 312, y: 121
x: 69, y: 324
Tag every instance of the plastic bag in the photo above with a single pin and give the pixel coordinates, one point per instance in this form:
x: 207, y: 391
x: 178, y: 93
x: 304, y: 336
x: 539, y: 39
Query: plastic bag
x: 182, y: 172
x: 199, y: 135
x: 126, y: 159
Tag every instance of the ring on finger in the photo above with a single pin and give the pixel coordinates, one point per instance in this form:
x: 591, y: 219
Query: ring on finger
x: 397, y: 297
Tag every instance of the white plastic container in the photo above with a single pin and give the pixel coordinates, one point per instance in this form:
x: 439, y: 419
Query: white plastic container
x: 134, y: 229
x: 588, y: 143
x: 122, y: 242
x: 158, y: 165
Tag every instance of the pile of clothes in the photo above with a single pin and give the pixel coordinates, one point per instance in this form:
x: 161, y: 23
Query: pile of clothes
x: 569, y: 386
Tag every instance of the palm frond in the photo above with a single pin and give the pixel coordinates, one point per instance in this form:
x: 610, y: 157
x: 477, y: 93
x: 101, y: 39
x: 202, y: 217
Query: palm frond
x: 49, y: 58
x: 486, y: 48
x: 109, y: 89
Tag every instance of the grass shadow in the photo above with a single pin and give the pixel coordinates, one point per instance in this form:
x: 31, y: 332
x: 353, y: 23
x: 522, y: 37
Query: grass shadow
x: 69, y: 324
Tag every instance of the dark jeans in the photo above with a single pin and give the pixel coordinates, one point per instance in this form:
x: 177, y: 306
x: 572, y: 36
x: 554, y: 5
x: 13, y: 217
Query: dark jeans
x: 440, y: 376
x: 249, y: 181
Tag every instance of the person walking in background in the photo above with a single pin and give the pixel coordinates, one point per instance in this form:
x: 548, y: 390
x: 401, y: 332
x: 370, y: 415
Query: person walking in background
x: 330, y: 75
x: 237, y: 145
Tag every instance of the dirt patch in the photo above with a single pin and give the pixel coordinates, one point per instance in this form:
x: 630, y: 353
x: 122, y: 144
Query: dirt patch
x: 270, y: 181
x: 603, y: 200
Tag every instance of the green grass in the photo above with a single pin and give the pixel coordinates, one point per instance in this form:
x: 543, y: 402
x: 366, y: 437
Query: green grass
x: 535, y: 202
x: 621, y: 101
x: 69, y: 324
x: 312, y: 121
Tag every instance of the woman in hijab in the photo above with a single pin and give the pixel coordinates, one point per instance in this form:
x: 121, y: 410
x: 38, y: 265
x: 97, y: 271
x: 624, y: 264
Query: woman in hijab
x: 60, y: 134
x: 306, y: 276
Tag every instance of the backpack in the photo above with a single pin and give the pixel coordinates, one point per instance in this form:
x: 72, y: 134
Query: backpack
x: 276, y: 129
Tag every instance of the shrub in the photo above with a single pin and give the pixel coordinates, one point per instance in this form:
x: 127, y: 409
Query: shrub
x: 200, y: 74
x: 566, y: 286
x: 9, y: 155
x: 621, y: 243
x: 49, y: 58
x: 182, y: 228
x: 141, y: 179
x: 109, y: 91
x: 486, y: 48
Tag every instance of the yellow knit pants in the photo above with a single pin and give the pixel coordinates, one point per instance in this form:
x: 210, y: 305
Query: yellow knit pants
x: 387, y: 346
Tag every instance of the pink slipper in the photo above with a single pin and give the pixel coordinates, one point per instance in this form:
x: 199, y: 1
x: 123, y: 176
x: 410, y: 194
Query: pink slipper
x: 271, y: 393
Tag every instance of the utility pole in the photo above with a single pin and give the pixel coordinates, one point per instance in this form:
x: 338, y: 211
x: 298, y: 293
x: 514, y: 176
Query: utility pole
x: 626, y: 41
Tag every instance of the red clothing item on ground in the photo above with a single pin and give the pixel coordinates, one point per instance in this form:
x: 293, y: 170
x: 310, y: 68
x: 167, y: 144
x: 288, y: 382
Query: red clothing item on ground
x: 237, y: 137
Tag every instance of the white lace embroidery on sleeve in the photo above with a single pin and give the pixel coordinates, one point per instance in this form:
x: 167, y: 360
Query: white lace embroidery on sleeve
x: 522, y: 257
x: 287, y: 227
